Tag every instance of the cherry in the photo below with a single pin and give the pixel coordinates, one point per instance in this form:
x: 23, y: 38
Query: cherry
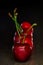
x: 21, y: 51
x: 28, y: 40
x: 25, y: 26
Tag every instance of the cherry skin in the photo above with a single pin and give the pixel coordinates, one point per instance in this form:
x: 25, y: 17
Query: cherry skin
x: 21, y: 51
x: 28, y: 40
x: 25, y: 26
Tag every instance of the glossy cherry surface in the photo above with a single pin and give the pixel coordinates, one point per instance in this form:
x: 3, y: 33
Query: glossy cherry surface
x: 21, y: 51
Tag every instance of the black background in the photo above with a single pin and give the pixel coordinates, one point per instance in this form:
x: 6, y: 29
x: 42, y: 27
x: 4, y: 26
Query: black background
x: 31, y: 11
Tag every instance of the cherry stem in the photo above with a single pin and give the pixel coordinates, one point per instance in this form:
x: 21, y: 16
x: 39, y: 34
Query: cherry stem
x: 29, y: 30
x: 17, y: 25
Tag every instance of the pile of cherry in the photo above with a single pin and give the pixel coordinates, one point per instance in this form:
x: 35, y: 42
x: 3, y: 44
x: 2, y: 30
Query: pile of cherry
x: 29, y: 35
x: 22, y: 51
x: 23, y: 39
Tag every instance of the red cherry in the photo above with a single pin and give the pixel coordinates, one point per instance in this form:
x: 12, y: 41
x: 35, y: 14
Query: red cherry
x: 25, y: 26
x: 21, y: 51
x: 28, y: 40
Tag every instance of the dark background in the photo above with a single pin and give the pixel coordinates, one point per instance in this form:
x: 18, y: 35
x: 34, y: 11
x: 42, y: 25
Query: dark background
x: 31, y: 11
